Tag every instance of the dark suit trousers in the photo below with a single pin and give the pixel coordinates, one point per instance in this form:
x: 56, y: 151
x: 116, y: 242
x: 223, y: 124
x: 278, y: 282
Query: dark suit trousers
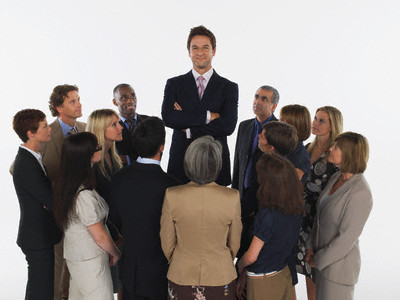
x: 40, y: 283
x: 127, y: 295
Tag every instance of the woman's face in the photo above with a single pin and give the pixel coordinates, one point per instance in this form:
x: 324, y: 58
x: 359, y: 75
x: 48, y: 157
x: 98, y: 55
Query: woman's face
x: 114, y: 131
x: 335, y: 155
x: 42, y: 134
x: 321, y: 125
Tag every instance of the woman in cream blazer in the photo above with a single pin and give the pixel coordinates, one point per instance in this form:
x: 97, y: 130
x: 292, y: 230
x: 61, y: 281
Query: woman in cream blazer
x: 201, y: 228
x: 342, y: 211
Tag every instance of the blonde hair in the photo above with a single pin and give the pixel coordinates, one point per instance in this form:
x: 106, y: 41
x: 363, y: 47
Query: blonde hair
x: 97, y: 123
x: 299, y: 117
x: 336, y: 122
x: 355, y: 152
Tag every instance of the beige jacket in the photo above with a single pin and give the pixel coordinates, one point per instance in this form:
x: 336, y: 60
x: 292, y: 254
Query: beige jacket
x: 51, y: 151
x: 339, y: 222
x: 200, y: 233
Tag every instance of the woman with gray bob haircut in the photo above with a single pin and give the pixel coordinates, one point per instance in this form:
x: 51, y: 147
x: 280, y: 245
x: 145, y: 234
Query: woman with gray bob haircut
x: 203, y: 160
x: 206, y: 218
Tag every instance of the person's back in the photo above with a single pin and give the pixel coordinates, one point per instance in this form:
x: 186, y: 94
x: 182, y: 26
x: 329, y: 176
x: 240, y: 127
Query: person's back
x: 205, y: 218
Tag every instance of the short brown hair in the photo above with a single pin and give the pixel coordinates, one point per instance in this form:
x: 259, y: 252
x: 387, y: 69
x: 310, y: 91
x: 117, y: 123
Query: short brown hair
x: 58, y: 95
x: 299, y: 117
x: 280, y: 188
x: 201, y: 30
x: 282, y: 136
x: 27, y: 120
x: 355, y: 152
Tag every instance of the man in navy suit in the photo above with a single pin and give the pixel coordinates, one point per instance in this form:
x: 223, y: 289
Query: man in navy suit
x: 200, y: 103
x: 138, y: 193
x: 126, y: 101
x: 246, y: 151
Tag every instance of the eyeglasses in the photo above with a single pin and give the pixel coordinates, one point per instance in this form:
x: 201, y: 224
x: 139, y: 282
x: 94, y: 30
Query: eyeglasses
x: 98, y: 148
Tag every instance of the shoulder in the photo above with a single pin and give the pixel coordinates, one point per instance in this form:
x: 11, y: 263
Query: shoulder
x: 361, y: 187
x: 141, y: 118
x: 81, y: 126
x: 216, y: 76
x: 182, y: 77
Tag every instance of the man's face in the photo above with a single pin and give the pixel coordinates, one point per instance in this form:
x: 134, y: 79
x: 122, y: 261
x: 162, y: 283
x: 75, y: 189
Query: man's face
x: 201, y: 53
x: 125, y: 99
x: 71, y: 109
x: 262, y: 104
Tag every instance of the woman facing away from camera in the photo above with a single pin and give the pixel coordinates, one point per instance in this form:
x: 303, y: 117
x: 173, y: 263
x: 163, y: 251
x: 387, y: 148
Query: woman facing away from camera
x: 299, y: 117
x: 37, y: 232
x: 82, y: 213
x: 327, y: 125
x: 276, y: 229
x: 104, y: 124
x: 200, y: 228
x: 342, y: 211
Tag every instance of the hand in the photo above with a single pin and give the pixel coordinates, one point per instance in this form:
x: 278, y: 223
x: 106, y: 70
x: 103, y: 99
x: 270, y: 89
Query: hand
x: 310, y: 258
x: 214, y: 116
x: 241, y: 286
x: 114, y: 259
x: 177, y: 106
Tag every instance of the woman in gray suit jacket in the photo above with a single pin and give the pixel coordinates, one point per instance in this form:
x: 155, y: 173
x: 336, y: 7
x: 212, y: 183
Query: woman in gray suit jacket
x: 342, y: 211
x: 201, y: 228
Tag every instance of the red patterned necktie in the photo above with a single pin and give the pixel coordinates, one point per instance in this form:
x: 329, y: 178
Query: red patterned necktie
x: 201, y: 86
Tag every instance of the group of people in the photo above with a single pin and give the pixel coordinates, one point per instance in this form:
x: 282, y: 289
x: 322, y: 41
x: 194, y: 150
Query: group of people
x: 99, y: 215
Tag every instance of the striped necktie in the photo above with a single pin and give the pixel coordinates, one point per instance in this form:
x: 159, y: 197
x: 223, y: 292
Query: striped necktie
x: 201, y: 86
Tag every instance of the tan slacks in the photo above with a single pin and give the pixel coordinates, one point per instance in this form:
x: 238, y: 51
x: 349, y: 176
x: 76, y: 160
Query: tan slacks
x: 272, y: 287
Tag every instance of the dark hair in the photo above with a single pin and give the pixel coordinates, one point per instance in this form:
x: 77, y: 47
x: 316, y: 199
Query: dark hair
x: 298, y: 116
x: 148, y: 136
x: 280, y: 188
x: 121, y: 85
x: 201, y: 30
x: 282, y: 136
x: 203, y: 160
x: 355, y: 152
x: 74, y: 171
x: 275, y: 94
x: 27, y: 120
x: 58, y: 95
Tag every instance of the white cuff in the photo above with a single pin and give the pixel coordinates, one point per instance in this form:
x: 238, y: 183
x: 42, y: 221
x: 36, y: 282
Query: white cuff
x: 208, y: 118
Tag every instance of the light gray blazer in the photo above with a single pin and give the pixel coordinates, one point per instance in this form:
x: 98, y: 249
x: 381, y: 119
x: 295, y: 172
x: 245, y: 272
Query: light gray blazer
x: 339, y: 222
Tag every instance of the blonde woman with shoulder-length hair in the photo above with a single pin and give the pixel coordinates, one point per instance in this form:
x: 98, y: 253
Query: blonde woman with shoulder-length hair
x: 104, y: 124
x: 327, y: 125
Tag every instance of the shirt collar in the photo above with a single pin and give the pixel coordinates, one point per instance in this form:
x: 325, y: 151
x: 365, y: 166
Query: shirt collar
x: 262, y: 123
x: 207, y: 75
x: 148, y: 161
x: 124, y: 119
x: 65, y: 127
x: 37, y: 155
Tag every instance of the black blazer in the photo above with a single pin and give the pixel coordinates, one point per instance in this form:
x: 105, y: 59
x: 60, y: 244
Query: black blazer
x: 126, y: 147
x: 138, y: 193
x: 220, y: 96
x: 37, y: 228
x: 243, y: 147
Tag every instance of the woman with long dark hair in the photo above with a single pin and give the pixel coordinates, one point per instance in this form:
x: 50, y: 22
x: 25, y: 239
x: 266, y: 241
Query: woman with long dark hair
x: 82, y: 213
x: 275, y: 233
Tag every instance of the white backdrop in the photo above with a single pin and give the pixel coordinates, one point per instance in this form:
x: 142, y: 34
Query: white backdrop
x: 340, y: 53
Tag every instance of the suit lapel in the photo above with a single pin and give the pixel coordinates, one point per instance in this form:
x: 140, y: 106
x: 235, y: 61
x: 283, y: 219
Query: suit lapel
x: 58, y: 136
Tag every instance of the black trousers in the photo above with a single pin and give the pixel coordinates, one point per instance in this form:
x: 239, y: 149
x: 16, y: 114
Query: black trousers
x: 40, y: 283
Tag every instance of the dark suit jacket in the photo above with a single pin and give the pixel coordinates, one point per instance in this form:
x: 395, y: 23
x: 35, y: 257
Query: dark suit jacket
x: 220, y: 96
x: 126, y: 147
x: 138, y: 192
x: 51, y: 151
x: 37, y: 229
x: 243, y: 148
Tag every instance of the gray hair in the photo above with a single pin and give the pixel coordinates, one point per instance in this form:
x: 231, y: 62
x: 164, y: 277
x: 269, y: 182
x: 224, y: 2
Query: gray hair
x: 203, y: 160
x: 275, y: 94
